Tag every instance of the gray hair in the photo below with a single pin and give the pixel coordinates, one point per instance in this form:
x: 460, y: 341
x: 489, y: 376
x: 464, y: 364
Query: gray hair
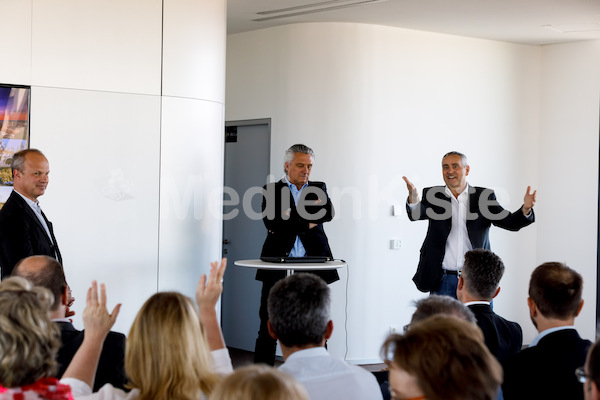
x: 299, y: 309
x: 297, y: 148
x: 463, y: 158
x: 438, y: 304
x: 18, y: 159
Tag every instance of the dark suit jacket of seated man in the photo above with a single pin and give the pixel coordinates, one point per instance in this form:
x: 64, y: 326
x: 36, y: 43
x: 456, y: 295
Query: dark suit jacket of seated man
x: 111, y: 366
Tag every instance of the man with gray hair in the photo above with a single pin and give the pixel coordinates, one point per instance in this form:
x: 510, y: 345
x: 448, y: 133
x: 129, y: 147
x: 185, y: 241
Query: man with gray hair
x: 460, y: 216
x: 294, y: 210
x: 299, y: 308
x: 24, y: 228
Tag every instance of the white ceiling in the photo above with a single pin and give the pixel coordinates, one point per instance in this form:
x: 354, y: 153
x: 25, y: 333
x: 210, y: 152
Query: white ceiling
x: 519, y: 21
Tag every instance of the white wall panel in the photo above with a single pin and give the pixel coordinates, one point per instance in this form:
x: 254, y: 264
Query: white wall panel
x: 568, y: 210
x: 15, y: 31
x: 103, y: 150
x: 98, y: 45
x: 194, y: 49
x: 191, y: 182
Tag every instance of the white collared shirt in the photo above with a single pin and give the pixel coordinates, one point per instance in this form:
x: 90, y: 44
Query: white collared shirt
x: 458, y: 242
x: 325, y: 377
x: 476, y: 303
x: 298, y: 249
x: 35, y: 206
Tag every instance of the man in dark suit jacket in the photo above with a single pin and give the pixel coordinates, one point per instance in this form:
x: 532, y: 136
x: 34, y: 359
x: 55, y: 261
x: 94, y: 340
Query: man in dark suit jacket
x: 478, y: 284
x: 459, y: 218
x: 546, y: 369
x: 294, y: 210
x: 24, y: 228
x: 45, y: 271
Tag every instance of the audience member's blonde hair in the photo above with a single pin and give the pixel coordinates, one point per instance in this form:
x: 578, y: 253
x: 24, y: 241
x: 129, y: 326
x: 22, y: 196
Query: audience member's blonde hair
x: 29, y: 340
x: 259, y: 382
x: 167, y: 355
x: 448, y: 357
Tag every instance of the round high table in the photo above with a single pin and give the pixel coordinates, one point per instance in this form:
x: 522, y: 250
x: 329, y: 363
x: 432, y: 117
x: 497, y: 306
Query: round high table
x: 290, y: 267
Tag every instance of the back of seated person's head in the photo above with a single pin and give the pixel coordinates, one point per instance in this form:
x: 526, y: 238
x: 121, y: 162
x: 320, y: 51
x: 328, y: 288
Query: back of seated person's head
x: 592, y: 368
x: 46, y: 272
x: 556, y: 290
x: 481, y: 272
x: 259, y: 382
x: 298, y: 309
x: 440, y: 304
x: 442, y: 358
x: 166, y: 354
x: 29, y: 341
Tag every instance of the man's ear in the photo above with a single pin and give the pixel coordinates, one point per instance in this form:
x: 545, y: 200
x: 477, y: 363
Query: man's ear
x: 461, y: 283
x: 533, y: 310
x: 271, y: 330
x: 328, y: 330
x: 64, y: 297
x: 579, y: 309
x: 496, y: 294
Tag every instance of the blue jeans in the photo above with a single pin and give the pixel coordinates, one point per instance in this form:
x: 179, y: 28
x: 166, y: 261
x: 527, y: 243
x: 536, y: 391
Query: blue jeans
x: 448, y: 286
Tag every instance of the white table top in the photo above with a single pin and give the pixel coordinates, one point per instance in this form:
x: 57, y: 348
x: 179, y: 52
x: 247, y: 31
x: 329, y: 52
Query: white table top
x: 285, y: 266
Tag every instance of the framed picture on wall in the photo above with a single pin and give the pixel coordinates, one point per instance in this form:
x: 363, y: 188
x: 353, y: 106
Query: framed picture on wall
x: 14, y: 131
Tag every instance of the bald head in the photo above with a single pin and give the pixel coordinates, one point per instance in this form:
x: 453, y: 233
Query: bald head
x: 46, y: 272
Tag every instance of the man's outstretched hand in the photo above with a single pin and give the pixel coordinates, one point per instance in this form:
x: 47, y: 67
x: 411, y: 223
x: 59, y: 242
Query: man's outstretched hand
x: 528, y: 200
x: 413, y: 195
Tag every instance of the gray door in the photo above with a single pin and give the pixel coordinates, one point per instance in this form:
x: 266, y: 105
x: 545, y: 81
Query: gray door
x: 247, y: 154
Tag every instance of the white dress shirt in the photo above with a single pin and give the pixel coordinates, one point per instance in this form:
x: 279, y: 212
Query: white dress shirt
x: 327, y: 378
x: 298, y: 249
x: 458, y: 242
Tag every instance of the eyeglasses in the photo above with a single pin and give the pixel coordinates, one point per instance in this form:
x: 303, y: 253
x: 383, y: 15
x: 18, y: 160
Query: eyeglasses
x: 581, y: 375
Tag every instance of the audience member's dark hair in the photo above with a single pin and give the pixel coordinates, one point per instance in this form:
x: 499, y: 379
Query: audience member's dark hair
x: 439, y: 304
x: 299, y: 309
x: 482, y: 272
x: 51, y: 276
x: 556, y: 290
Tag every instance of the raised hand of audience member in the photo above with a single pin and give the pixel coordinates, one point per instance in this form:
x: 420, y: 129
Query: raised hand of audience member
x: 98, y: 322
x: 208, y: 292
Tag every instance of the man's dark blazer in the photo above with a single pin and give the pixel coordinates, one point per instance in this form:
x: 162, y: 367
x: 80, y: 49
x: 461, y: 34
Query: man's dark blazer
x: 22, y: 234
x: 502, y: 337
x: 435, y: 206
x: 547, y: 370
x: 111, y: 366
x: 285, y: 220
